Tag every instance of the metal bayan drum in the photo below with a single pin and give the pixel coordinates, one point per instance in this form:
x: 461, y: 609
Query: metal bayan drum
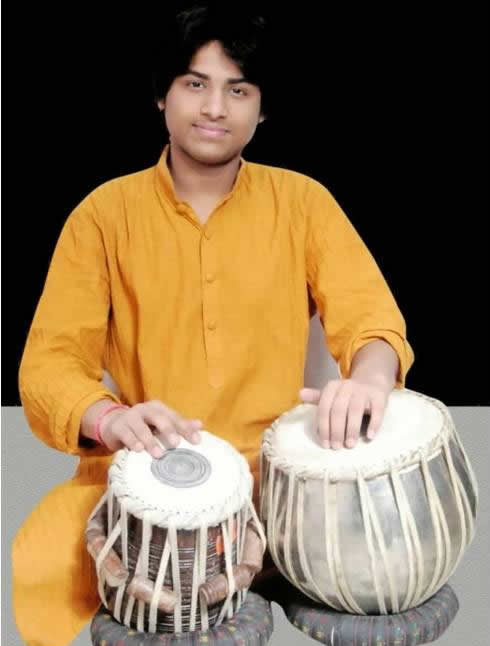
x: 376, y: 529
x: 187, y: 534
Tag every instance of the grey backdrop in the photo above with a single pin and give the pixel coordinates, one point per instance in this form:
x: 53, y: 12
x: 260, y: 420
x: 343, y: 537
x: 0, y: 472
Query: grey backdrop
x: 31, y: 469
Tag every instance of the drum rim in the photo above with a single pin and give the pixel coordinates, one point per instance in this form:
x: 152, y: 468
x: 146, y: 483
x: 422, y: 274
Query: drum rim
x: 171, y: 516
x: 379, y: 468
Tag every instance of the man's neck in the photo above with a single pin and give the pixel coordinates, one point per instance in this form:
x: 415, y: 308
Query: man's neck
x: 193, y: 180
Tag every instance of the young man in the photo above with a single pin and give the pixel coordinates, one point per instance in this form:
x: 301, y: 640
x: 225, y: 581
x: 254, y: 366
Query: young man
x: 188, y: 282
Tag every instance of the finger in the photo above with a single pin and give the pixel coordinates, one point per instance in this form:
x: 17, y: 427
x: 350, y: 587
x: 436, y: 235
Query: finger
x: 146, y: 439
x: 125, y: 434
x: 355, y: 413
x: 378, y: 406
x: 323, y: 413
x: 197, y: 426
x: 310, y: 395
x: 189, y: 429
x: 338, y: 416
x: 162, y: 427
x: 165, y: 433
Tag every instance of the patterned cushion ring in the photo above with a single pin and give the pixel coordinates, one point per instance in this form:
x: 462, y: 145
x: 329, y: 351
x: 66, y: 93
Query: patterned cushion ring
x: 419, y: 625
x: 251, y: 625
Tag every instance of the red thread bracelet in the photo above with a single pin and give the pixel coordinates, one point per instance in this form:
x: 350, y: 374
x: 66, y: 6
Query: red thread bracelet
x: 100, y: 418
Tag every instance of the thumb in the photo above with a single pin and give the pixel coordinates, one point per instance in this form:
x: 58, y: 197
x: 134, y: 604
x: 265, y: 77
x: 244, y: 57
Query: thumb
x: 310, y: 395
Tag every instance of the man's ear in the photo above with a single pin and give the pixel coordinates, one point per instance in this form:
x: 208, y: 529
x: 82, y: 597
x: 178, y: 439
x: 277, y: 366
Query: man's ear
x: 161, y: 105
x: 262, y: 118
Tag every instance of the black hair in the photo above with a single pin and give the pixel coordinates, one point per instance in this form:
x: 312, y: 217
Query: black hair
x: 242, y: 33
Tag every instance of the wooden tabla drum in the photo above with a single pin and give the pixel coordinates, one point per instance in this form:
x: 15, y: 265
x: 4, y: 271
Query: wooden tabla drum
x: 376, y: 529
x: 186, y: 531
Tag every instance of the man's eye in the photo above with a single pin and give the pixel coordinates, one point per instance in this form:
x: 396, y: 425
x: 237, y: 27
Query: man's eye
x: 239, y: 91
x: 194, y: 84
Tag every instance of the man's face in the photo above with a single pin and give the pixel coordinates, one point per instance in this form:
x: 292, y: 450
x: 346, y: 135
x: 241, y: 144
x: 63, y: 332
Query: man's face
x: 211, y: 112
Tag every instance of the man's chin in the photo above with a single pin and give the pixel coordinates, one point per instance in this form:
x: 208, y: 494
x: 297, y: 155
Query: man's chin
x: 211, y: 156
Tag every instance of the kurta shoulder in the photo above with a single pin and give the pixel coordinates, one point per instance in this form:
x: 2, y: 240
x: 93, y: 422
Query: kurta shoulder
x: 304, y: 188
x: 110, y: 201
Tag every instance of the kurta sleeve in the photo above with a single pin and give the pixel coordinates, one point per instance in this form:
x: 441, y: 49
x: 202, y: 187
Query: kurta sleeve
x: 62, y: 364
x: 354, y: 301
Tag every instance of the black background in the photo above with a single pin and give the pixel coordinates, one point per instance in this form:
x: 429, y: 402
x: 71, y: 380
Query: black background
x: 387, y: 107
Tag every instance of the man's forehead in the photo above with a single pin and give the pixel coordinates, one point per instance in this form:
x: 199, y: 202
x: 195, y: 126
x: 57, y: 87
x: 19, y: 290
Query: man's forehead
x: 207, y: 77
x: 211, y: 61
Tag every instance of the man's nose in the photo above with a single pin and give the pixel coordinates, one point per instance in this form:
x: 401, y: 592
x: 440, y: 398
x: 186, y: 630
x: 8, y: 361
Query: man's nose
x: 214, y: 105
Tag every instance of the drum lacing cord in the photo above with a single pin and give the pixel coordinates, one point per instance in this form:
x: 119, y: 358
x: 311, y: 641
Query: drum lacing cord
x: 336, y: 571
x: 203, y: 552
x: 271, y: 524
x: 145, y: 557
x: 239, y: 551
x: 473, y: 479
x: 131, y: 598
x: 174, y: 557
x: 258, y: 526
x: 329, y: 551
x: 371, y: 521
x: 439, y: 525
x: 412, y: 542
x: 288, y: 563
x: 162, y: 568
x: 462, y: 505
x: 461, y: 500
x: 334, y: 563
x: 124, y: 550
x: 103, y: 552
x: 227, y: 607
x: 262, y: 484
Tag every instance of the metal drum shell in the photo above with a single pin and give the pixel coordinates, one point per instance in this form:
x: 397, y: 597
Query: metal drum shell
x: 395, y: 570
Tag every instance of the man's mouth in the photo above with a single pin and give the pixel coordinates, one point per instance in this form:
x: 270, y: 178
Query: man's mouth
x: 210, y: 131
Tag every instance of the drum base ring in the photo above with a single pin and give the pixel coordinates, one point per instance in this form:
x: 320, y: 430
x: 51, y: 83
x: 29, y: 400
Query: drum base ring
x: 252, y: 624
x: 420, y: 625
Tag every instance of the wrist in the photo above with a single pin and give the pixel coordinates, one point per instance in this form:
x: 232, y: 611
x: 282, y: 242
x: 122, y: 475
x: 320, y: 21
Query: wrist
x: 102, y: 420
x: 379, y: 380
x: 88, y: 419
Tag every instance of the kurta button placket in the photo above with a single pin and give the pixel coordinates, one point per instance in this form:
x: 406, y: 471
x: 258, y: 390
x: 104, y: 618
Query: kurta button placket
x: 211, y: 313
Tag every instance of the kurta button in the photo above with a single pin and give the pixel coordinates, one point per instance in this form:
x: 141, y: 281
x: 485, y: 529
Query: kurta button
x: 207, y: 234
x: 209, y: 278
x: 212, y: 326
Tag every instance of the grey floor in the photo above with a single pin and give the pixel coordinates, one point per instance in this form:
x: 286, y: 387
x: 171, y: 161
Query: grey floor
x: 30, y: 469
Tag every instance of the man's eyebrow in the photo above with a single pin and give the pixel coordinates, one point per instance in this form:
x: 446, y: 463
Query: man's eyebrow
x: 205, y: 77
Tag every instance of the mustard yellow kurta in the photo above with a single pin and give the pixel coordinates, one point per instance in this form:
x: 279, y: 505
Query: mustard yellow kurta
x: 211, y: 319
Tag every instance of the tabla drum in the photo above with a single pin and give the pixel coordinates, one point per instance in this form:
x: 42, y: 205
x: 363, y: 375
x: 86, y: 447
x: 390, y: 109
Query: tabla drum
x: 186, y: 532
x: 376, y: 529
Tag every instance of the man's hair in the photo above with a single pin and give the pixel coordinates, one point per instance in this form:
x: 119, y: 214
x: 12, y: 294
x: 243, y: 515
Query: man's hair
x: 242, y: 33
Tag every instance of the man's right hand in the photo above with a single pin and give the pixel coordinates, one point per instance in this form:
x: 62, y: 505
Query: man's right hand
x: 138, y: 427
